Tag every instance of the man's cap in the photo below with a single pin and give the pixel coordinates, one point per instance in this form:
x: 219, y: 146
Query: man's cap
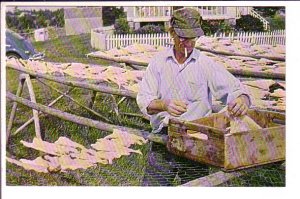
x: 187, y: 23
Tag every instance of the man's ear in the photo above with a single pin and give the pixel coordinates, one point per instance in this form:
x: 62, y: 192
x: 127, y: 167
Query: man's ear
x: 172, y: 32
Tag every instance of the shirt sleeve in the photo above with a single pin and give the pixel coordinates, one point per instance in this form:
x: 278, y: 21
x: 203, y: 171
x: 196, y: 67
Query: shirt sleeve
x: 223, y: 85
x: 148, y: 88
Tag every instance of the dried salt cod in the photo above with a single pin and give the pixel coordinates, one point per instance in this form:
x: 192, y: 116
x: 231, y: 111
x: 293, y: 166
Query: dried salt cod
x: 69, y: 155
x: 133, y: 87
x: 256, y: 93
x: 117, y: 52
x: 50, y: 148
x: 66, y: 162
x: 126, y: 139
x: 262, y: 84
x: 80, y: 149
x: 39, y: 164
x: 279, y: 93
x: 243, y: 123
x: 115, y: 145
x: 240, y: 124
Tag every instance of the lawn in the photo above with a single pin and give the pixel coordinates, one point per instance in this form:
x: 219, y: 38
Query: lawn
x: 126, y: 171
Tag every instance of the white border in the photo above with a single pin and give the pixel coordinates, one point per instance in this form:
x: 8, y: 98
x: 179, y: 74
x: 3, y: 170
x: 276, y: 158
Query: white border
x: 293, y: 141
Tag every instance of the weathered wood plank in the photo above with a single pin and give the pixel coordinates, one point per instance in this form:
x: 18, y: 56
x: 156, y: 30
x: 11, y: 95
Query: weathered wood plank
x: 256, y: 147
x: 214, y: 179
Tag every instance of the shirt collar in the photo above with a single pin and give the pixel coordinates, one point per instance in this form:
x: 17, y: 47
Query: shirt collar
x: 170, y: 54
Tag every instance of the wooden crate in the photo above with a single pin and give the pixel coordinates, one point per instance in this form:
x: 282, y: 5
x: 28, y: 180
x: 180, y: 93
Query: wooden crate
x: 207, y: 140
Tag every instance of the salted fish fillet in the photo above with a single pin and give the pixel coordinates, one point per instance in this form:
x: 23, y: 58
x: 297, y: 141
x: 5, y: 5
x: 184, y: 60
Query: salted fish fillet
x: 126, y: 139
x: 113, y: 146
x: 38, y: 165
x: 243, y: 123
x: 50, y: 148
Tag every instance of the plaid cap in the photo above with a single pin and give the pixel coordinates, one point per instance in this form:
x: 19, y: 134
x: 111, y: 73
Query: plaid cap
x: 187, y: 23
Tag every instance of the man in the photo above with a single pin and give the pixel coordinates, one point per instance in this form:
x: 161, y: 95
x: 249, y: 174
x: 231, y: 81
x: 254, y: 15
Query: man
x: 181, y: 81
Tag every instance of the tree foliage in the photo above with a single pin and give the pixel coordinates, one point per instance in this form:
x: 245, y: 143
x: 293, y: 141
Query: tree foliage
x: 268, y: 11
x: 249, y: 23
x: 22, y: 21
x: 214, y: 26
x: 111, y: 14
x: 150, y: 28
x: 121, y: 26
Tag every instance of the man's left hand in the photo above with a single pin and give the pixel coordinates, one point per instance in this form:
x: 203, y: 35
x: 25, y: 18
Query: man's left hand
x: 239, y: 106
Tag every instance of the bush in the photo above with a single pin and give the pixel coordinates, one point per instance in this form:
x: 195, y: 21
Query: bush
x: 148, y: 29
x: 249, y: 23
x: 121, y: 26
x: 277, y: 22
x: 213, y: 26
x: 110, y: 14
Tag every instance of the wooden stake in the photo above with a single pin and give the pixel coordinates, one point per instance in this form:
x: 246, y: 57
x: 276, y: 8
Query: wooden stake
x: 35, y: 112
x: 40, y: 113
x: 14, y: 108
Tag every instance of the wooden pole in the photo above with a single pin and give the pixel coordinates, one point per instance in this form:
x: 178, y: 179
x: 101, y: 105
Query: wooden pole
x: 237, y: 54
x: 214, y: 179
x: 35, y: 112
x: 14, y: 108
x: 162, y: 139
x: 141, y: 65
x: 81, y: 84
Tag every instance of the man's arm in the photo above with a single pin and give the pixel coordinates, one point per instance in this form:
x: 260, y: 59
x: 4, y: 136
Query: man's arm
x: 228, y: 88
x: 173, y: 107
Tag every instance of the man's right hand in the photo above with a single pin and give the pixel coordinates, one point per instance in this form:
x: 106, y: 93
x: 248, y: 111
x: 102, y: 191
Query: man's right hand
x: 175, y: 107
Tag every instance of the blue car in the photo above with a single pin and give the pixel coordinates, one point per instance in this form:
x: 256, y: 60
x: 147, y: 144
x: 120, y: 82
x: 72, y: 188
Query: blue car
x: 20, y: 48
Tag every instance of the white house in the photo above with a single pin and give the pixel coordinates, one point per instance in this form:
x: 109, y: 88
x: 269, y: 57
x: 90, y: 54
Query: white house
x: 139, y: 15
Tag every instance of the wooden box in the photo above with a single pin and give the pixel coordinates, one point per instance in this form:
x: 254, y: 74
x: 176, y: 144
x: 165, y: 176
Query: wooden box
x: 207, y: 140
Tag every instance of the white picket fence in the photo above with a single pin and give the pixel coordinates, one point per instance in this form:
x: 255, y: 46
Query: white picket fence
x: 163, y: 39
x: 118, y: 40
x: 271, y: 38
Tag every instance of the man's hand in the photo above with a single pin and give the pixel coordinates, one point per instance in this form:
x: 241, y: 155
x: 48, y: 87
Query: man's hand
x: 239, y: 106
x: 175, y: 107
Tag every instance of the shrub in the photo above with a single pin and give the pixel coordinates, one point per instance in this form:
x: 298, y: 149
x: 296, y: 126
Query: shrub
x: 148, y: 29
x: 213, y: 26
x: 277, y: 22
x: 249, y: 23
x: 121, y: 26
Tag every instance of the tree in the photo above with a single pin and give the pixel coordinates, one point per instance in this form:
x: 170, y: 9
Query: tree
x: 59, y: 17
x: 268, y: 11
x: 111, y: 14
x: 249, y: 23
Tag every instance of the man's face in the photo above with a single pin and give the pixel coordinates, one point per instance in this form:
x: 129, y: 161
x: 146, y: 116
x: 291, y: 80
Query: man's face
x: 182, y: 43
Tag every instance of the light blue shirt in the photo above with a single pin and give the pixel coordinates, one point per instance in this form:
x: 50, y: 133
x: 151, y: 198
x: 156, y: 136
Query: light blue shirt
x: 194, y: 82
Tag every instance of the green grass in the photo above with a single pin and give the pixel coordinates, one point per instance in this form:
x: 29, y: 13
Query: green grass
x: 126, y: 171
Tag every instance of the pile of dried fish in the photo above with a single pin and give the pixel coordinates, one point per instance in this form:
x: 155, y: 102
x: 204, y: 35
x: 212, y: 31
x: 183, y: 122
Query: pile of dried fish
x: 64, y: 154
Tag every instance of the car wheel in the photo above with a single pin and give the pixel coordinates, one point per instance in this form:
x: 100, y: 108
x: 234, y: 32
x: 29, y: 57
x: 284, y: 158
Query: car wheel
x: 13, y: 55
